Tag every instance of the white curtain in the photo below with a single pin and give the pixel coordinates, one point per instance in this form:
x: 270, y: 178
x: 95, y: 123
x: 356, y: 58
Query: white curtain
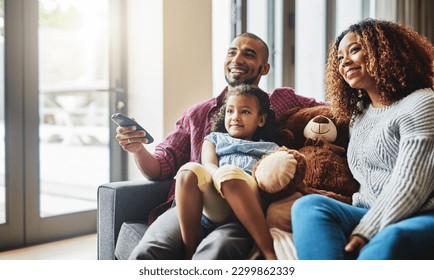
x: 414, y: 13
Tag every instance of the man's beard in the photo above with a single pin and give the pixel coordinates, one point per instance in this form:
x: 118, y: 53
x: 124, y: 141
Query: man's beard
x: 250, y: 81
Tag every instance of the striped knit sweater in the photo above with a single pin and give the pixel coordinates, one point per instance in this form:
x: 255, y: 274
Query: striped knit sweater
x: 391, y: 155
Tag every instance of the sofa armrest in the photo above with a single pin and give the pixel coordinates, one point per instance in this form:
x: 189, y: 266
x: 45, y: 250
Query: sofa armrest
x: 125, y: 201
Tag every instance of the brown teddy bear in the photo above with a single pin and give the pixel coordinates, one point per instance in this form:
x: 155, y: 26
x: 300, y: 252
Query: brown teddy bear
x: 316, y: 163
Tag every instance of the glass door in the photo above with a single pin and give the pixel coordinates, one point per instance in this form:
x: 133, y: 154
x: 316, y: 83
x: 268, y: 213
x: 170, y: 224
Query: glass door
x: 72, y: 124
x: 73, y: 104
x: 56, y: 73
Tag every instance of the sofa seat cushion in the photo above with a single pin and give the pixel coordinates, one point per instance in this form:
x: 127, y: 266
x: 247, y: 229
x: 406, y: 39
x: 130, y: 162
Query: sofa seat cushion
x: 129, y: 237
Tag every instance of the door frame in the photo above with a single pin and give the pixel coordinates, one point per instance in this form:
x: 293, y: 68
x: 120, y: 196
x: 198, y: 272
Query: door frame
x: 12, y: 231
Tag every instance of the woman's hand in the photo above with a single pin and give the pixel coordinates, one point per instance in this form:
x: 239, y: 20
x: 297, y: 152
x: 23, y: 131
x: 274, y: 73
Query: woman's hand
x: 355, y: 244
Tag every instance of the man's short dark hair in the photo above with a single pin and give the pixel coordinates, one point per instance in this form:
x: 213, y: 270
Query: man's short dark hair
x: 254, y: 37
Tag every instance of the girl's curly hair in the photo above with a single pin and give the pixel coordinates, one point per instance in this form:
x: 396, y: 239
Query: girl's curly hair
x: 267, y: 132
x: 398, y: 58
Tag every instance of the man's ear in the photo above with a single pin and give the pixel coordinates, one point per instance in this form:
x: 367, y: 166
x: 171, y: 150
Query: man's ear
x: 262, y: 120
x: 265, y: 69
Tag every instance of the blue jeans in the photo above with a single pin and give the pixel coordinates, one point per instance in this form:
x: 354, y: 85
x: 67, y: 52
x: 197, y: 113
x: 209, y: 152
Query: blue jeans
x: 322, y: 227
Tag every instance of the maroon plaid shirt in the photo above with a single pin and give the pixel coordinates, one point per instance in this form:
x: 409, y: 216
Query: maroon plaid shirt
x: 184, y: 144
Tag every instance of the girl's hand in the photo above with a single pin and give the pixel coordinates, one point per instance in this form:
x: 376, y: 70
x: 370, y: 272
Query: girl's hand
x: 355, y: 244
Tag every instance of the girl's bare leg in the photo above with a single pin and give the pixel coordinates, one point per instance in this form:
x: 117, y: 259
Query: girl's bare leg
x: 189, y: 202
x: 247, y: 208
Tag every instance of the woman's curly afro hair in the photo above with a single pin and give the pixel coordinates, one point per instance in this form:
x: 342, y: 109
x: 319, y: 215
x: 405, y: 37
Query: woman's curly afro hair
x: 267, y: 132
x: 398, y: 58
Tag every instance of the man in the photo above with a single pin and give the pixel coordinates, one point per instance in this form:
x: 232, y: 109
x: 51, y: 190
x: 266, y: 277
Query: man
x: 246, y: 62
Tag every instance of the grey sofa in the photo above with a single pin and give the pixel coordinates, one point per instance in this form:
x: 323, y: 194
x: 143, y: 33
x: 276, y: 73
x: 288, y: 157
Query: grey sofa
x: 123, y: 209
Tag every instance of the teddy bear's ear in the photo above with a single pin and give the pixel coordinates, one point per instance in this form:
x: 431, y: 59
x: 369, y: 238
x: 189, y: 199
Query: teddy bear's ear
x: 288, y: 113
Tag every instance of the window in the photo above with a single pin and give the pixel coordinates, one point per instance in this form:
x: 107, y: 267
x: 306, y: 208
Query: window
x: 263, y: 19
x: 315, y: 29
x: 310, y: 47
x: 221, y: 38
x: 298, y: 34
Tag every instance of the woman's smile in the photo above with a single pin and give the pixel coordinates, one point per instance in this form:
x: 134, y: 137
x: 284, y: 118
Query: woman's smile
x: 352, y: 71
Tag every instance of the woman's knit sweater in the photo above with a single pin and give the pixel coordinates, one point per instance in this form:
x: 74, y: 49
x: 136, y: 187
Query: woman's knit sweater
x: 391, y: 155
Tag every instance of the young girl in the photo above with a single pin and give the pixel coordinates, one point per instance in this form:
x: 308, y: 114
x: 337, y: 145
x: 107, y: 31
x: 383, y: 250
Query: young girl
x: 380, y: 75
x: 222, y: 188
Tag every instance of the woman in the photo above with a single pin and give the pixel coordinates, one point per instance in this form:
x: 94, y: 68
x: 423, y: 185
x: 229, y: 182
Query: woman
x: 379, y: 77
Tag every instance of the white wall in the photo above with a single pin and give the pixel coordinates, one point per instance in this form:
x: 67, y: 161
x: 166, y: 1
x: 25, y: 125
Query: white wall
x: 187, y: 56
x: 169, y: 62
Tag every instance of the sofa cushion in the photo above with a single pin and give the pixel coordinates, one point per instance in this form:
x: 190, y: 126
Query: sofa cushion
x: 129, y: 237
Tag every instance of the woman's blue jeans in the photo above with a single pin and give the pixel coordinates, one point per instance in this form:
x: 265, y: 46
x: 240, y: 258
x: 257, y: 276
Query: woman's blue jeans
x: 322, y: 227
